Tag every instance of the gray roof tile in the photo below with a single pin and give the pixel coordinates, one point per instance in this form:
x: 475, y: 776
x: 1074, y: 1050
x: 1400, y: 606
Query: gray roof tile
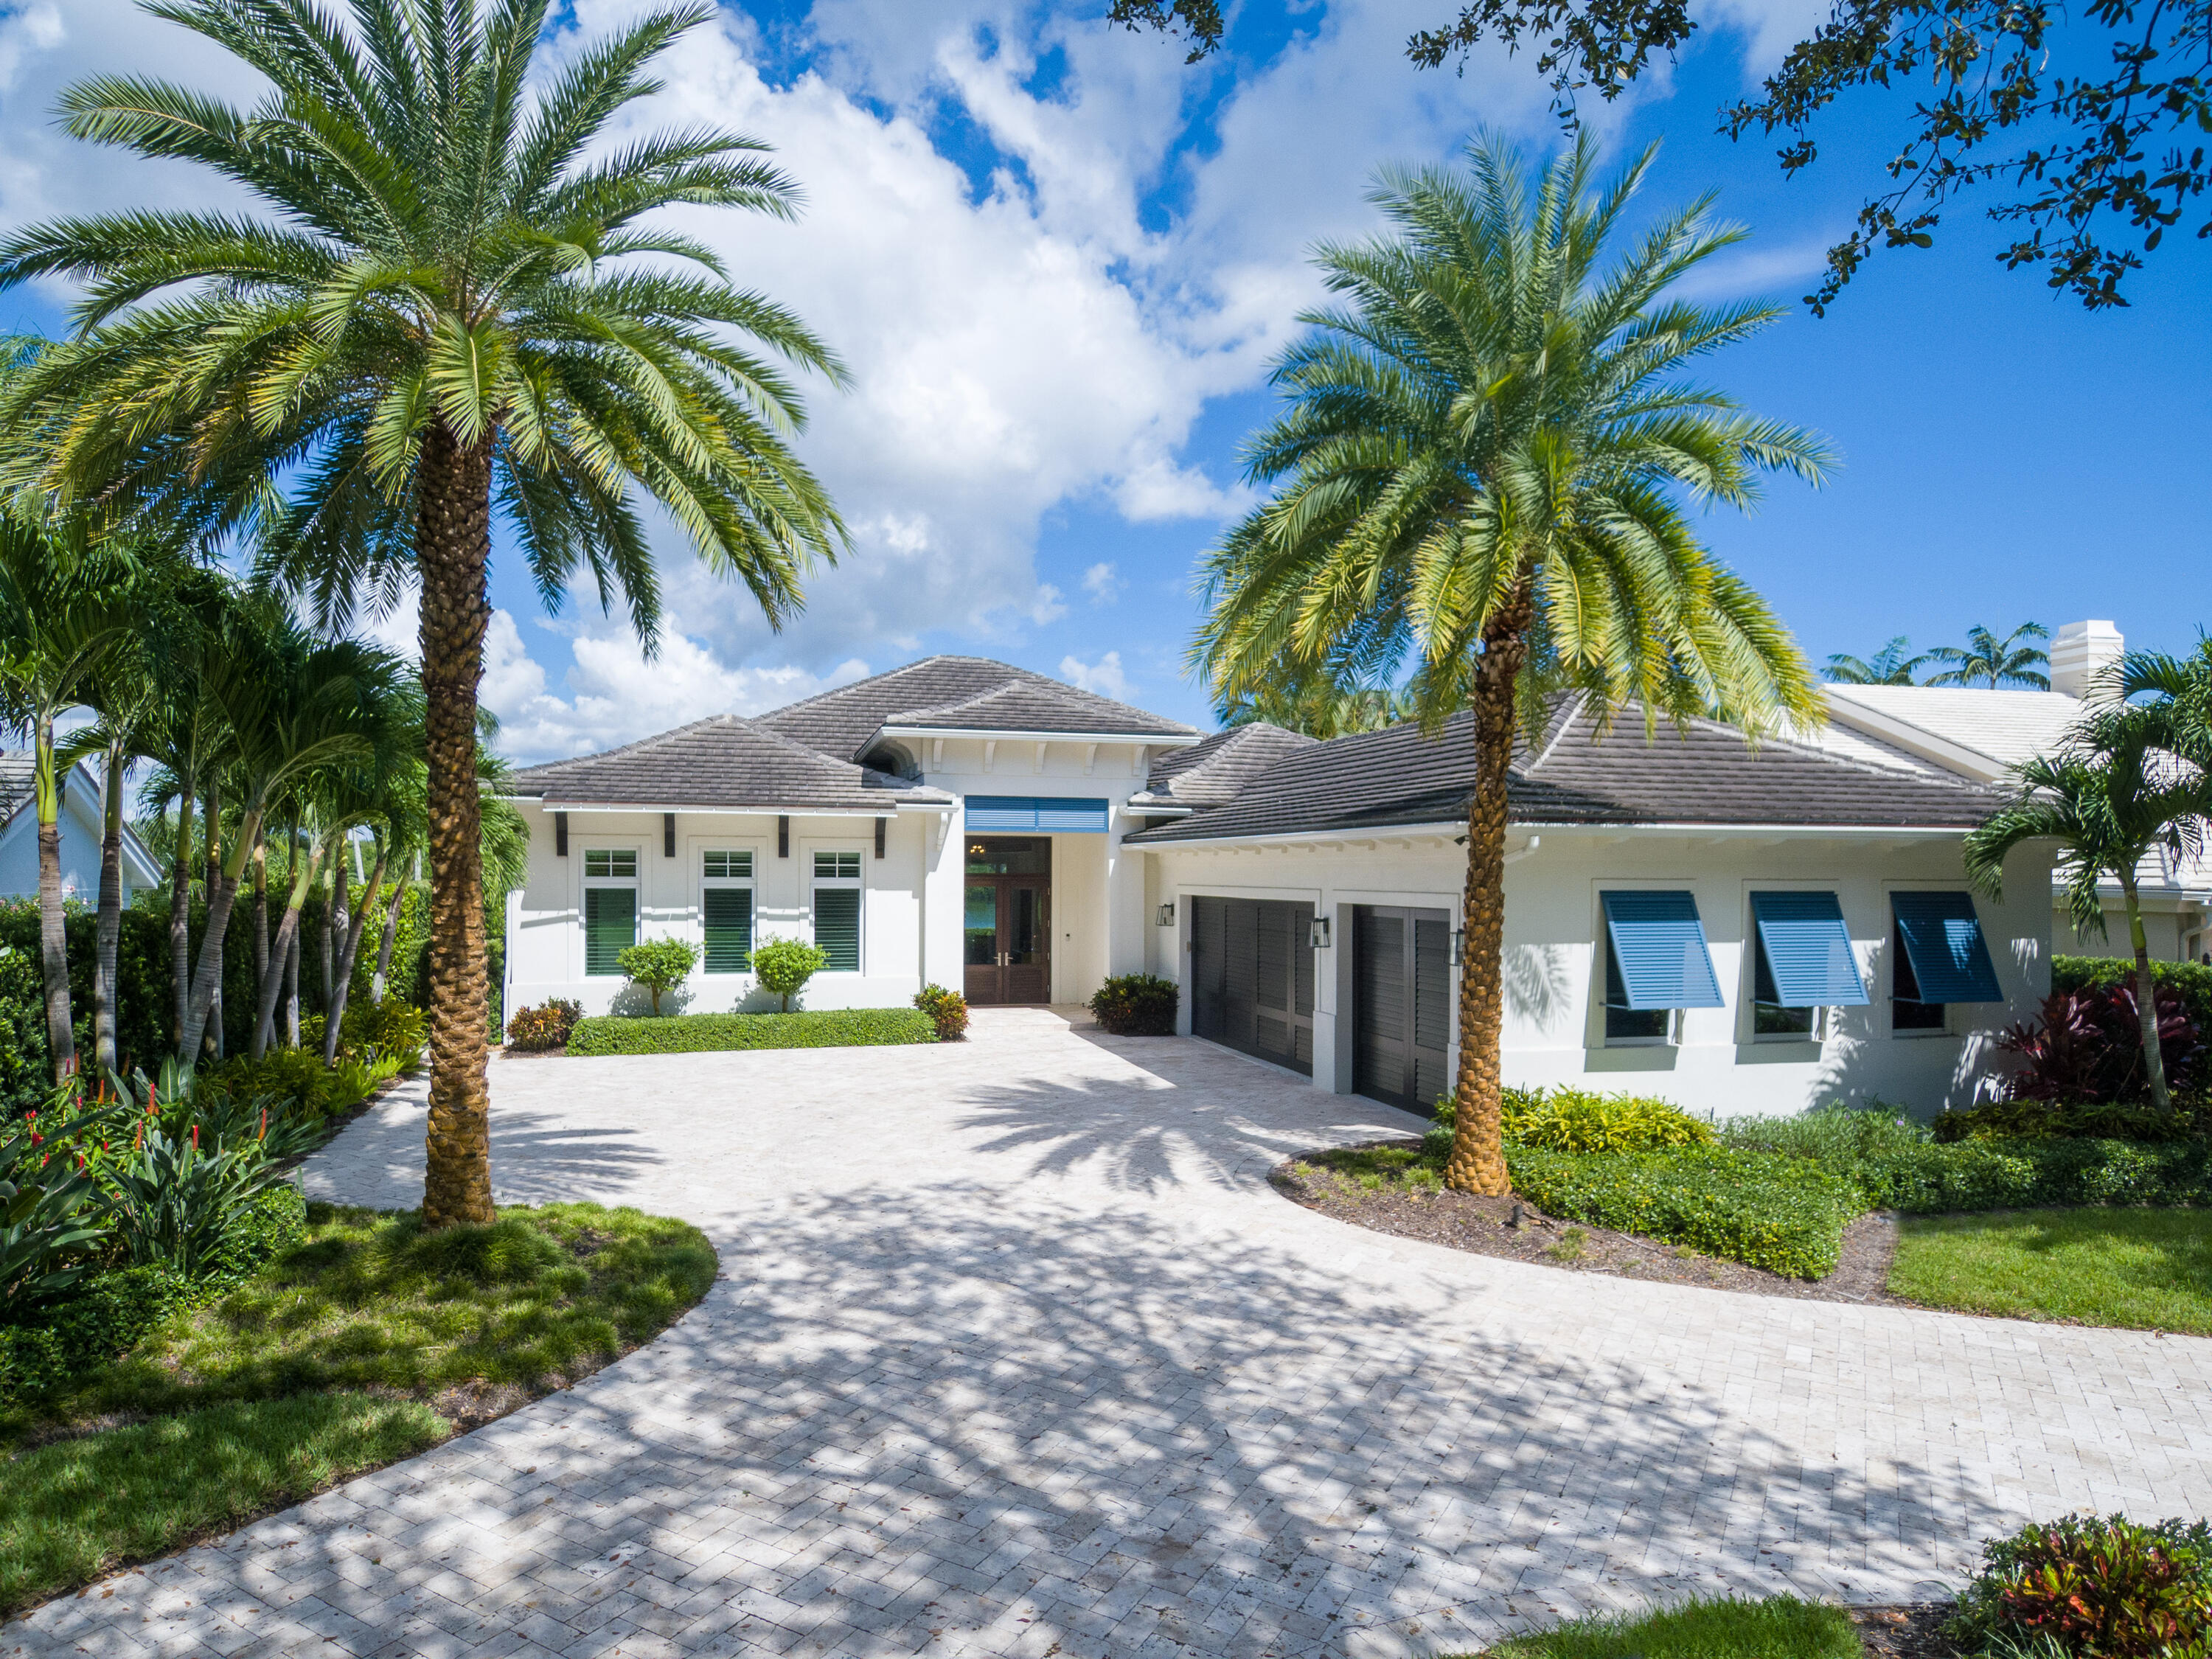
x: 1704, y: 773
x: 1211, y: 773
x: 721, y: 761
x: 971, y: 692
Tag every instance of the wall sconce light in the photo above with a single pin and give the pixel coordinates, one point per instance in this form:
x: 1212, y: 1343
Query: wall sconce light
x: 1167, y: 915
x: 1317, y: 935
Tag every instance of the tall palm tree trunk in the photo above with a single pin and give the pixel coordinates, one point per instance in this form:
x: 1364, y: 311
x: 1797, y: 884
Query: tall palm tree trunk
x: 215, y: 881
x: 378, y: 981
x: 1477, y: 1164
x: 180, y: 914
x: 108, y: 933
x: 2146, y: 995
x: 53, y: 944
x: 292, y: 988
x: 286, y: 949
x: 334, y: 918
x: 207, y: 974
x: 260, y: 916
x: 452, y: 546
x: 342, y: 986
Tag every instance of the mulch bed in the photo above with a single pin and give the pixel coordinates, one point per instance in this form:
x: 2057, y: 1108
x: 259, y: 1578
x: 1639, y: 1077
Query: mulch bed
x: 1488, y: 1226
x: 1909, y: 1631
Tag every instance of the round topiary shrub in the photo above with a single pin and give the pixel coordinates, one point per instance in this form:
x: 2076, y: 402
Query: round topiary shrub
x: 1136, y: 1004
x: 784, y: 965
x: 660, y: 965
x: 948, y: 1008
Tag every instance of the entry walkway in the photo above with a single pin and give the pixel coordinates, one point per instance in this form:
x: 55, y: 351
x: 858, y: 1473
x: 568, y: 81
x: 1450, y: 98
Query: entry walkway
x: 1015, y: 1354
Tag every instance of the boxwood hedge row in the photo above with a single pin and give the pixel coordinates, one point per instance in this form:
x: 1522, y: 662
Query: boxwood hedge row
x: 685, y: 1034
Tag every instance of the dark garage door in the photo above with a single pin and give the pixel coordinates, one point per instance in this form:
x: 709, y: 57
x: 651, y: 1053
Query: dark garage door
x: 1251, y: 975
x: 1402, y: 1004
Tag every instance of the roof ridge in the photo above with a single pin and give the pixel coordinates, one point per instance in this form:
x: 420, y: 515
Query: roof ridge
x: 887, y: 674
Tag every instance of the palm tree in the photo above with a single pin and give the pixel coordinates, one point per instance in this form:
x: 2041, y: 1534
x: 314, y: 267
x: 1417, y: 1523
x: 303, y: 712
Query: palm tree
x: 2000, y: 661
x: 1481, y: 466
x: 444, y: 318
x: 2116, y: 791
x: 63, y: 612
x: 1318, y: 705
x: 1890, y: 665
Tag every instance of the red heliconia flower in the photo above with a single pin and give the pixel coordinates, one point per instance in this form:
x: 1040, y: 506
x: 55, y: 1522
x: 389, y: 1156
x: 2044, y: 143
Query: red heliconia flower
x: 196, y: 1137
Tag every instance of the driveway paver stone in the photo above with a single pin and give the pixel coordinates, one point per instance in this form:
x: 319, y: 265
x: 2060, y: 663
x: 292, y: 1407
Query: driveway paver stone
x: 1014, y: 1353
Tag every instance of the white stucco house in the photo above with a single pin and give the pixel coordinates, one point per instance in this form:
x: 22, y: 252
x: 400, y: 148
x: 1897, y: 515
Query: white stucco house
x: 1982, y: 733
x: 81, y: 834
x: 1737, y: 927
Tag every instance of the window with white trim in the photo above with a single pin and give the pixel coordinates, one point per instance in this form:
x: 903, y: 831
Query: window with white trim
x: 725, y: 909
x: 609, y: 908
x: 837, y: 910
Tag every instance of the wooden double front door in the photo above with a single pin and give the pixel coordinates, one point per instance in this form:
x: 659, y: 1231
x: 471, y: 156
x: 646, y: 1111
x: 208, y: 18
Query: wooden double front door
x: 1008, y: 939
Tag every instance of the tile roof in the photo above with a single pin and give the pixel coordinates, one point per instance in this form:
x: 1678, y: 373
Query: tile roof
x: 721, y: 761
x: 18, y: 775
x: 971, y: 692
x: 1209, y: 774
x: 1704, y: 773
x: 2003, y: 728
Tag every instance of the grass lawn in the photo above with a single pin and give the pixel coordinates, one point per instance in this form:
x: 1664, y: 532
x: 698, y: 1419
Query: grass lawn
x: 2145, y: 1269
x: 359, y: 1347
x: 1780, y: 1627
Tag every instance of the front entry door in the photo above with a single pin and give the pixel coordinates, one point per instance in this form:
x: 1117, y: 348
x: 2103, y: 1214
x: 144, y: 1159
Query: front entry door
x: 1009, y: 939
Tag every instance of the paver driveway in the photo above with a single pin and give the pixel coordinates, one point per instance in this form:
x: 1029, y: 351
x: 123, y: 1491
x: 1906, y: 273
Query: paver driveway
x: 1015, y: 1354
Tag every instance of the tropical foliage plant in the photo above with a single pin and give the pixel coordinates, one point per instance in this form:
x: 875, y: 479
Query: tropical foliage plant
x: 1484, y: 467
x: 454, y: 307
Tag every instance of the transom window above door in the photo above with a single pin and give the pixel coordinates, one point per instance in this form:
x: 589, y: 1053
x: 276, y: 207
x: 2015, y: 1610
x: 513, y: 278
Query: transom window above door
x: 611, y: 863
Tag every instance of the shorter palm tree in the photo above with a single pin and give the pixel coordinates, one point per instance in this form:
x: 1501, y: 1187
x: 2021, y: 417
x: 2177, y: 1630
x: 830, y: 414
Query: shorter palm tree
x: 2114, y: 794
x: 2001, y: 662
x: 1890, y: 665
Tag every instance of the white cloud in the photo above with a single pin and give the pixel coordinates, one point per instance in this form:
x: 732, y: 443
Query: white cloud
x: 1103, y: 677
x: 1102, y: 584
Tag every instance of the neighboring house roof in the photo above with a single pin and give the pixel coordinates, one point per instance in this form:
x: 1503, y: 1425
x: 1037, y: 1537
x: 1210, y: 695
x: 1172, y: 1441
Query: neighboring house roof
x: 969, y: 693
x: 1980, y: 732
x: 1210, y: 773
x: 18, y: 774
x: 722, y: 762
x: 82, y: 790
x: 1581, y: 772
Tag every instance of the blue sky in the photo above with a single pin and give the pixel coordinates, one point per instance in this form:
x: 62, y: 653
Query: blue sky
x: 1059, y: 261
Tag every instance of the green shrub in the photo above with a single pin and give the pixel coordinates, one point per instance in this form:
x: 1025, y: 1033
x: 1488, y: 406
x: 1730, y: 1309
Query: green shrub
x: 1568, y: 1120
x: 782, y: 967
x: 2189, y: 980
x: 32, y: 1362
x: 390, y: 1029
x: 1783, y: 1215
x: 2098, y: 1587
x: 2027, y: 1120
x: 948, y: 1008
x: 1136, y: 1004
x: 829, y: 1027
x: 292, y: 1074
x: 112, y: 1310
x: 658, y: 964
x: 547, y: 1026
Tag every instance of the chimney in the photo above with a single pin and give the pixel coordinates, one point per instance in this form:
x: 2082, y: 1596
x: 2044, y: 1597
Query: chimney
x: 2082, y: 652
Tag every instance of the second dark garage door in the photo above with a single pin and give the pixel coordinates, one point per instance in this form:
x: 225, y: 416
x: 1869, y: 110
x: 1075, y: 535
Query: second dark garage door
x: 1402, y: 1004
x: 1252, y: 977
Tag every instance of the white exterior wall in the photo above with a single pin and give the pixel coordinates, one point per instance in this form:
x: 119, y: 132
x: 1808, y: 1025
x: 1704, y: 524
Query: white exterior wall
x: 545, y: 947
x: 2170, y: 925
x: 1554, y: 970
x: 81, y: 828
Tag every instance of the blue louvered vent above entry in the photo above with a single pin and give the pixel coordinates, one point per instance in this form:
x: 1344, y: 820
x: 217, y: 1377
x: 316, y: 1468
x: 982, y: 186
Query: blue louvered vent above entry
x: 1020, y: 815
x: 1660, y: 945
x: 1943, y: 941
x: 1808, y: 950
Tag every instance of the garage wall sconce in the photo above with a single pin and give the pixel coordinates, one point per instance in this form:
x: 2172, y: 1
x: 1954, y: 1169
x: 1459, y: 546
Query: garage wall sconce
x: 1317, y: 934
x: 1167, y: 915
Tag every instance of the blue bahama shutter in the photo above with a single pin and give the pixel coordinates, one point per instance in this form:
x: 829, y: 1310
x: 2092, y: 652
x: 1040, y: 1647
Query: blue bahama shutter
x: 1660, y: 945
x: 1808, y: 950
x: 1029, y: 815
x: 1943, y: 941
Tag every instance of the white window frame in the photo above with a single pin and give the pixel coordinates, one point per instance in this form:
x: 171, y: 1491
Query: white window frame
x: 589, y: 881
x: 749, y: 883
x: 857, y: 883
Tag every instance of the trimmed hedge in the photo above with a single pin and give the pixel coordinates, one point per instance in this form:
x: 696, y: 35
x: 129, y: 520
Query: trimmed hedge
x: 2189, y: 980
x: 1783, y: 1214
x: 689, y: 1033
